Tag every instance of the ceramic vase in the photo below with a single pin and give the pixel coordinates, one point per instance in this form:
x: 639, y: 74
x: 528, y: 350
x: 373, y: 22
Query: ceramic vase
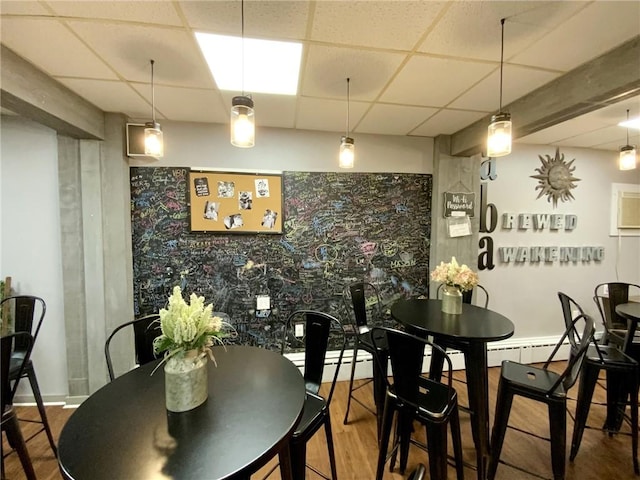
x: 451, y: 300
x: 186, y: 384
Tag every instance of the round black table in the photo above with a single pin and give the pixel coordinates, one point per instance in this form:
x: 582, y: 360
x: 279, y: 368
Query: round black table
x: 631, y: 312
x: 468, y: 332
x: 123, y: 431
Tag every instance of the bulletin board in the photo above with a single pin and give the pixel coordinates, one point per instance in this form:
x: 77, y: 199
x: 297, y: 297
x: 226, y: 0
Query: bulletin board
x: 231, y: 202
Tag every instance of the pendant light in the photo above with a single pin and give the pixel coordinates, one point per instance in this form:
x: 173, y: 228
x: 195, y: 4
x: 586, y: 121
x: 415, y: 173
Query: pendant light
x: 153, y: 142
x: 347, y: 147
x: 243, y: 126
x: 627, y: 153
x: 499, y: 135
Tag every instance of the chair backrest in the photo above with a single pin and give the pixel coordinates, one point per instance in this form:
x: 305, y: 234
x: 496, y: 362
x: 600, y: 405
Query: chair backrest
x: 406, y: 353
x: 310, y: 330
x: 617, y: 293
x: 570, y: 310
x: 145, y: 331
x: 355, y: 297
x: 7, y: 345
x: 570, y: 374
x: 27, y: 313
x: 467, y: 296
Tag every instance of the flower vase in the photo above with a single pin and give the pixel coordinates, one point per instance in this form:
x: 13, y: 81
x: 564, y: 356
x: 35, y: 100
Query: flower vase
x: 186, y: 384
x: 451, y: 300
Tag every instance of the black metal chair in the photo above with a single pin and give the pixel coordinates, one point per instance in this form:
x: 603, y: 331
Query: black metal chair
x: 415, y: 397
x: 145, y: 331
x: 419, y: 473
x: 355, y: 300
x: 9, y: 422
x: 311, y: 331
x: 542, y: 385
x: 615, y: 326
x: 622, y: 382
x: 27, y: 313
x: 467, y: 296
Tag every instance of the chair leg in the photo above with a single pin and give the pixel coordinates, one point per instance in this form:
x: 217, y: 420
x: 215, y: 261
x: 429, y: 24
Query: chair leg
x: 437, y: 443
x: 558, y: 423
x: 504, y: 401
x: 33, y: 381
x: 634, y: 419
x: 332, y: 456
x: 456, y: 439
x: 16, y: 440
x: 353, y: 372
x: 405, y: 429
x: 387, y: 421
x: 586, y: 387
x: 298, y: 459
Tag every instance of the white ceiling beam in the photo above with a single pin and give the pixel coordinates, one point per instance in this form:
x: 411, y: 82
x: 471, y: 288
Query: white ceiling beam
x: 605, y: 80
x: 31, y: 93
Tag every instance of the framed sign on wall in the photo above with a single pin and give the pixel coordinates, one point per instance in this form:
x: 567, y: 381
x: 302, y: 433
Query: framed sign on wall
x: 230, y: 202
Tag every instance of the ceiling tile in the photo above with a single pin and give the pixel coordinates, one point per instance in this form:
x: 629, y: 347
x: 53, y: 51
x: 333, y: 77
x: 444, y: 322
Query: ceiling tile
x: 433, y: 82
x: 67, y: 56
x: 393, y: 119
x: 23, y: 8
x: 110, y: 96
x: 446, y: 122
x: 572, y: 45
x: 352, y: 23
x: 264, y: 19
x: 328, y: 115
x: 128, y: 49
x: 472, y: 29
x: 327, y: 69
x: 186, y: 104
x: 143, y: 12
x: 517, y: 82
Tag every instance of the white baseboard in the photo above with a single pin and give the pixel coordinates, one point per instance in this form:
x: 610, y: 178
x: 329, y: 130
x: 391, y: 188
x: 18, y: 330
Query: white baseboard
x: 523, y: 350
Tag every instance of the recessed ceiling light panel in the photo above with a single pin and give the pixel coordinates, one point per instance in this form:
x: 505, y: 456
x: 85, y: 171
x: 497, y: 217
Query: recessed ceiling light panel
x: 269, y: 66
x: 633, y: 123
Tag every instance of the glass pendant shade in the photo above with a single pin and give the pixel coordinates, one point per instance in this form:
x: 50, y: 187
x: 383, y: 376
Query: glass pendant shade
x: 499, y: 135
x: 347, y: 152
x: 243, y: 127
x: 153, y: 142
x: 627, y: 157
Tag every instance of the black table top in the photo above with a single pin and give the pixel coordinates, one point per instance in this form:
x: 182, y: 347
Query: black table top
x: 473, y: 324
x: 123, y: 431
x: 630, y: 311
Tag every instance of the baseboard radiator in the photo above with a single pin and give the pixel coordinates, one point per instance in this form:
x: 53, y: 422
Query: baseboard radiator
x: 523, y: 350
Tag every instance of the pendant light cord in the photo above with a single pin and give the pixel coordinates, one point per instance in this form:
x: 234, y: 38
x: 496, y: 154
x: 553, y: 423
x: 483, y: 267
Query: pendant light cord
x: 348, y: 79
x: 627, y: 126
x: 153, y: 96
x: 242, y: 56
x: 501, y: 60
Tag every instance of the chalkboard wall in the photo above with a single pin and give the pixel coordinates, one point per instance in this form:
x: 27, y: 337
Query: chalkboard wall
x: 339, y: 228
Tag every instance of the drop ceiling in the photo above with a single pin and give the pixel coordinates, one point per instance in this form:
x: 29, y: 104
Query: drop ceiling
x: 417, y: 68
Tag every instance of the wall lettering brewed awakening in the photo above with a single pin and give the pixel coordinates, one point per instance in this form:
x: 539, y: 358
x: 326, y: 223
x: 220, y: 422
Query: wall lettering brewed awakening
x: 526, y: 222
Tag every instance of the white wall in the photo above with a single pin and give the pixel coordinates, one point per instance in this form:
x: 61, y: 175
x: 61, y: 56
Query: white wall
x: 30, y: 238
x: 527, y: 292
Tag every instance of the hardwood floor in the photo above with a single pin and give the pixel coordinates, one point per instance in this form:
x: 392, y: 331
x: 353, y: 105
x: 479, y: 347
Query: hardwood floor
x: 600, y: 457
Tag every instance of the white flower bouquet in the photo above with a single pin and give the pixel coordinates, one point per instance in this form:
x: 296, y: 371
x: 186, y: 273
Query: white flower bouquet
x: 455, y: 275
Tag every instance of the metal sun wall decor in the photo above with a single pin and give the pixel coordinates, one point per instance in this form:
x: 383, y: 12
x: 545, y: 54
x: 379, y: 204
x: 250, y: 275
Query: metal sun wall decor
x: 555, y: 178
